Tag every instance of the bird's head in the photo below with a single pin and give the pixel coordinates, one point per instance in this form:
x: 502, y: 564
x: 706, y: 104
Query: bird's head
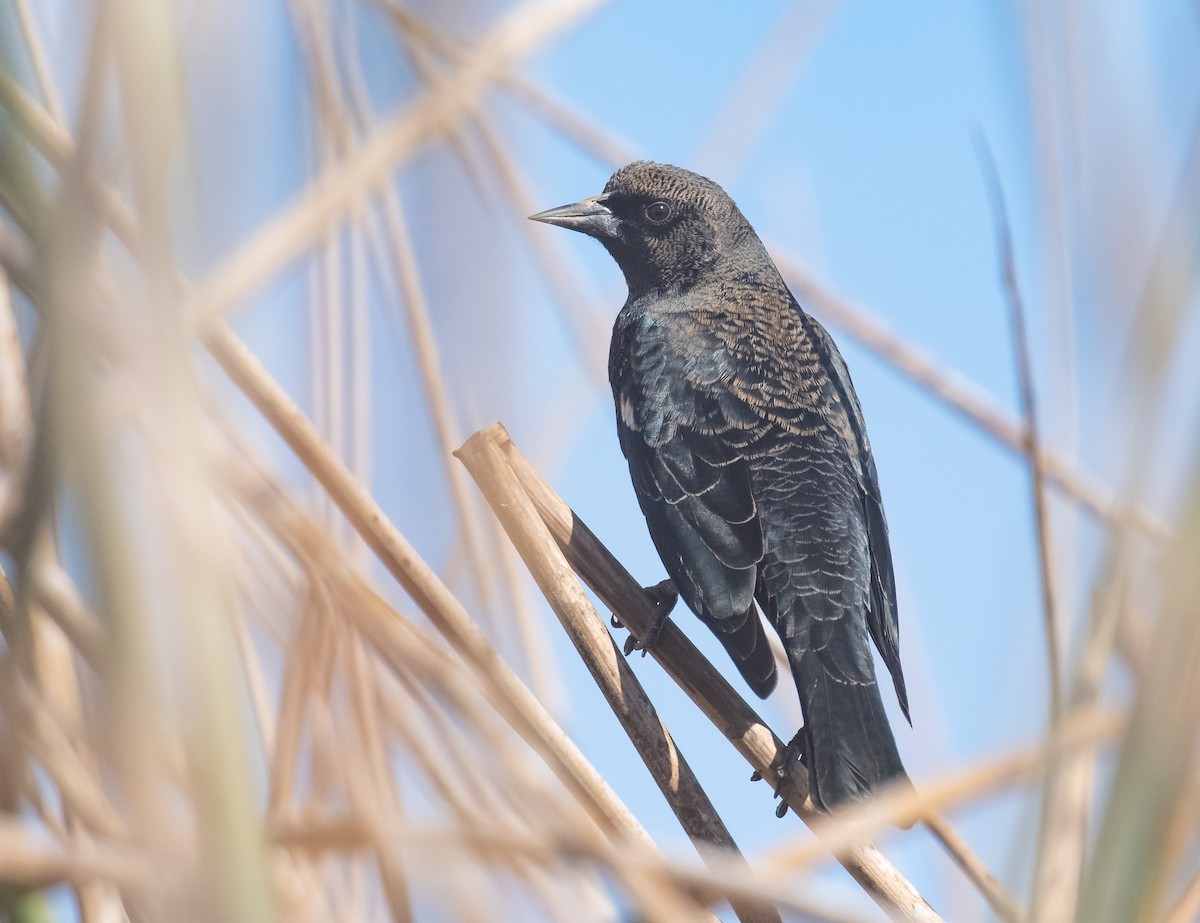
x: 663, y: 225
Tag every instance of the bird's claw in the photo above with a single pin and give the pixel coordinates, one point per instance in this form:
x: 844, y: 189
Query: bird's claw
x: 792, y: 754
x: 664, y: 596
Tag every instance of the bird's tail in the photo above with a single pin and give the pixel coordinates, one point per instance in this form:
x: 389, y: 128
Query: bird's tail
x: 746, y: 642
x: 847, y: 742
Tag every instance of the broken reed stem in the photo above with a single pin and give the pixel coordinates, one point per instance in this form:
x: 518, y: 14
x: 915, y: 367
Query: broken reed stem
x: 513, y: 699
x: 484, y: 457
x: 700, y: 680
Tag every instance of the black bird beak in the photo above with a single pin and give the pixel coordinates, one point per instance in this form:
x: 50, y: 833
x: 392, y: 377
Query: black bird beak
x: 591, y: 217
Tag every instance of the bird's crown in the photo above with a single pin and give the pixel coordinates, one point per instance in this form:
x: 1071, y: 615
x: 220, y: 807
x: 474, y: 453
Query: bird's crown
x: 646, y: 179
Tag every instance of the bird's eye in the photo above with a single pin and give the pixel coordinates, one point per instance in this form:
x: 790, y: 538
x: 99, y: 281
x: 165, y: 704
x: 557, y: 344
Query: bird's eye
x: 658, y: 212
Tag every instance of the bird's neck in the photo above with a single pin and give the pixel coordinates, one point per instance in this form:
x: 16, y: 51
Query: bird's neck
x: 646, y: 277
x: 744, y: 263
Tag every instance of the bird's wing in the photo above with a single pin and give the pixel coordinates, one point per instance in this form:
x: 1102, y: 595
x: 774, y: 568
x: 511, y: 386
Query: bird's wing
x: 882, y: 620
x: 685, y: 449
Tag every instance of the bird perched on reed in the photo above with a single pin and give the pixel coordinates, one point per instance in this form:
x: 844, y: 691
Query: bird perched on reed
x: 750, y: 459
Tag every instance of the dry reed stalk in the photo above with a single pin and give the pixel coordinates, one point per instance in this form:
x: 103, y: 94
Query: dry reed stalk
x: 58, y: 616
x: 1187, y: 909
x: 193, y: 547
x: 53, y: 142
x: 381, y: 632
x: 447, y: 432
x: 386, y: 637
x: 359, y: 438
x: 587, y: 329
x: 484, y: 457
x: 269, y: 578
x: 54, y: 662
x: 42, y: 736
x: 704, y: 882
x: 1142, y: 834
x: 710, y: 691
x: 1164, y: 304
x: 26, y: 860
x: 519, y: 706
x: 16, y: 252
x: 472, y: 525
x: 51, y: 654
x: 256, y: 683
x: 416, y: 33
x: 1062, y: 832
x: 340, y: 399
x: 60, y: 600
x: 8, y: 606
x: 375, y: 797
x: 47, y: 85
x: 369, y: 614
x: 54, y: 667
x: 516, y: 800
x: 564, y: 119
x: 1002, y: 903
x: 16, y: 418
x: 1055, y: 137
x: 79, y: 416
x: 971, y: 785
x: 325, y: 308
x: 305, y: 676
x: 1032, y: 442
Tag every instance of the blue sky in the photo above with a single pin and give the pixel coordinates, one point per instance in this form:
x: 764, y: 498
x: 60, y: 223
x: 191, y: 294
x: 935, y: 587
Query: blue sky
x: 864, y: 170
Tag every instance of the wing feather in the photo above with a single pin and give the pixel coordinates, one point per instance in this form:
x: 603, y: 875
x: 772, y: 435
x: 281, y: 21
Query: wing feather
x: 693, y: 486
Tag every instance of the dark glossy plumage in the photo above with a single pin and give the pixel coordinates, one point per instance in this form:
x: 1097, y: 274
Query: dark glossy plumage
x: 751, y: 463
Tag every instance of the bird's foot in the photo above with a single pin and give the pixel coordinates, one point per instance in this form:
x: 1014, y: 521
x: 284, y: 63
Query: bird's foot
x: 665, y: 596
x: 791, y: 756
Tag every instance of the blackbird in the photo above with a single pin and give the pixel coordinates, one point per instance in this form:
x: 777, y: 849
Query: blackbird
x: 749, y: 455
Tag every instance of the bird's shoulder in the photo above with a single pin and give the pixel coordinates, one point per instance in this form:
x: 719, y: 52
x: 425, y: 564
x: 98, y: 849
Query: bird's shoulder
x: 662, y: 363
x: 740, y: 343
x: 660, y: 336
